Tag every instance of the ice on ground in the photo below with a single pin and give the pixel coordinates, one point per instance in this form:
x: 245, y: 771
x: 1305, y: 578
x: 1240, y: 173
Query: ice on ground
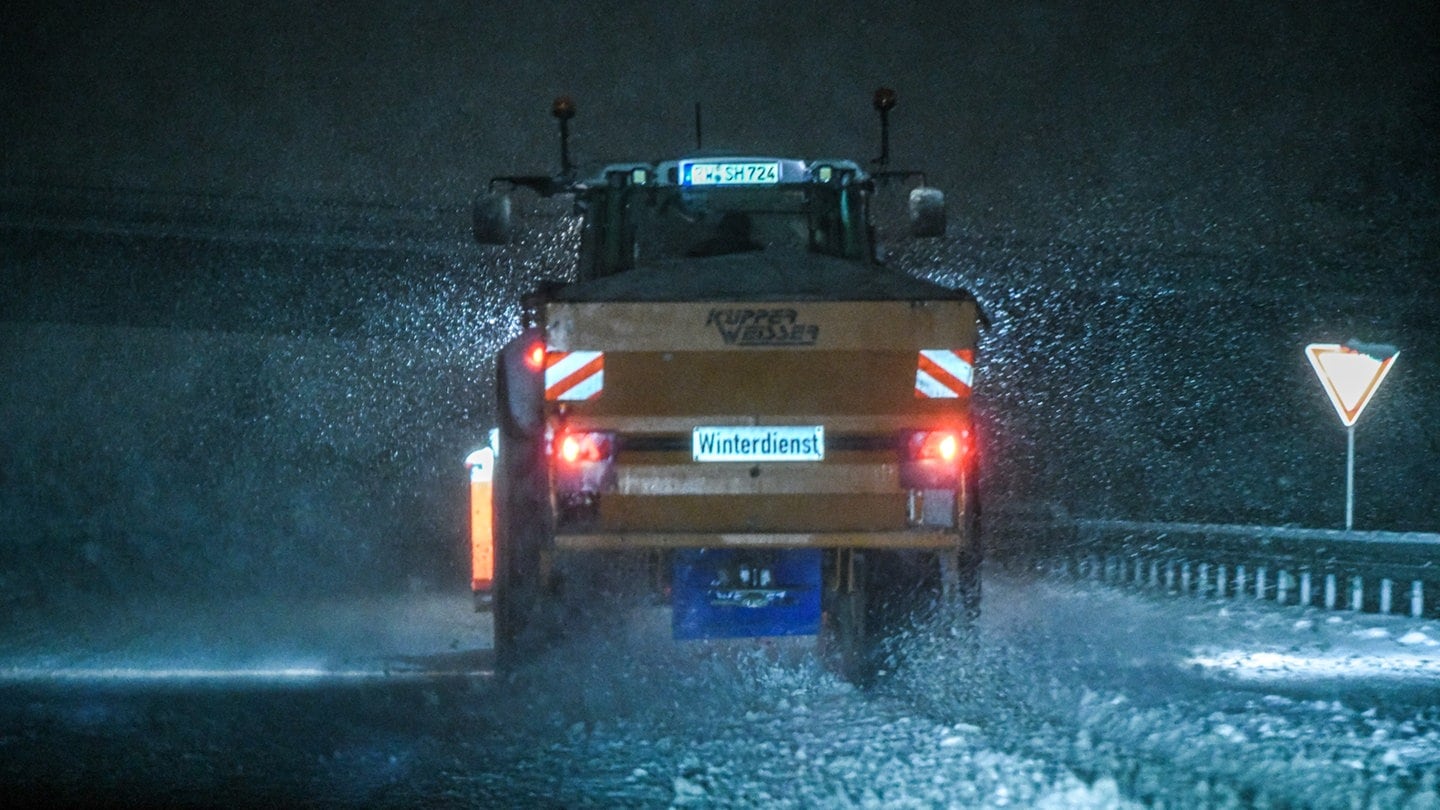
x: 254, y: 638
x: 1070, y: 695
x: 1418, y: 638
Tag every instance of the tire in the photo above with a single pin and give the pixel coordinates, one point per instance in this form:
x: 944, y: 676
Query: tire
x: 524, y: 589
x: 972, y: 554
x: 904, y: 588
x: 873, y: 598
x: 846, y: 645
x: 892, y: 594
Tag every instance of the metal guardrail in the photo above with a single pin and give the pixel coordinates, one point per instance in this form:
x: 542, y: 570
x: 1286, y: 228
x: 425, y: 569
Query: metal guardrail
x: 1370, y: 571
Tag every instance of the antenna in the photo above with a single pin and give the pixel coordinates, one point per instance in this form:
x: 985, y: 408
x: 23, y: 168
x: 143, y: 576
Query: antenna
x: 563, y: 109
x: 884, y: 102
x: 699, y: 142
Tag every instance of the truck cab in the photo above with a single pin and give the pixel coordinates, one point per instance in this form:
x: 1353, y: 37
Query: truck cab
x: 639, y: 215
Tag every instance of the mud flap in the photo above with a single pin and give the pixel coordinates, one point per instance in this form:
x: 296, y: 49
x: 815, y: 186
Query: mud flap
x: 741, y: 593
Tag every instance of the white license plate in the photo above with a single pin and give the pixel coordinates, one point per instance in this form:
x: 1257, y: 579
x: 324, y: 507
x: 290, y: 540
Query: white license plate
x: 759, y: 443
x: 729, y: 173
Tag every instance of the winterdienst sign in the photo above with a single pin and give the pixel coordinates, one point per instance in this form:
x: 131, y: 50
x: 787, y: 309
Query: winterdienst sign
x: 1351, y: 373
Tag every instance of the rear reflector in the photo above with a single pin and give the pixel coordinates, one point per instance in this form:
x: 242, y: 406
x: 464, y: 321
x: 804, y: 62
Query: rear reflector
x: 944, y: 373
x: 574, y: 376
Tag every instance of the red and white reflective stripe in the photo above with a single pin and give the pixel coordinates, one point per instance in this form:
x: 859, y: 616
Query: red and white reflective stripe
x: 573, y: 376
x: 945, y: 373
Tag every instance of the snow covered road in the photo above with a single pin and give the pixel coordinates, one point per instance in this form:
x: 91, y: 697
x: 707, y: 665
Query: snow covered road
x: 1072, y: 696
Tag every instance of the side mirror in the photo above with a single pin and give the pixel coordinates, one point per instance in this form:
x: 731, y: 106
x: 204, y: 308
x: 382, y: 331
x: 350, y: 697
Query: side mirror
x: 927, y: 212
x: 492, y: 219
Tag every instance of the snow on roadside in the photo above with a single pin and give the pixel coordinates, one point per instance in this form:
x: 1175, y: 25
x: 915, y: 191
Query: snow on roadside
x: 1110, y: 682
x: 1299, y: 644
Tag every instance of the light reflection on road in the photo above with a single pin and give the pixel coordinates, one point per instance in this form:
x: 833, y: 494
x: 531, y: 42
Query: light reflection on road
x: 282, y: 674
x: 1268, y: 665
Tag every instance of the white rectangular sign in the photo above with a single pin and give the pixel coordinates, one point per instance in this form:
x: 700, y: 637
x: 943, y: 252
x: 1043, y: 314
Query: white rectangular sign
x: 759, y: 443
x: 729, y: 173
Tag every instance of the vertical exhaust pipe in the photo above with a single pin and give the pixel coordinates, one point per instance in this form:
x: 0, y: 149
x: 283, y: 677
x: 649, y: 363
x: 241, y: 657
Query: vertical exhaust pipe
x: 884, y: 102
x: 564, y: 109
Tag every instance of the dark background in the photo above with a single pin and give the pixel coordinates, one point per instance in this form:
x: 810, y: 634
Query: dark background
x: 244, y: 337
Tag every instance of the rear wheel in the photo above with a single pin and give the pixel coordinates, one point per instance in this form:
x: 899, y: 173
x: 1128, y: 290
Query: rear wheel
x: 521, y: 583
x: 875, y: 599
x: 845, y: 640
x: 524, y: 587
x: 970, y: 556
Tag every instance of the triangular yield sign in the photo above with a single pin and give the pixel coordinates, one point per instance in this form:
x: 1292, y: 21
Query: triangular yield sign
x: 1349, y: 376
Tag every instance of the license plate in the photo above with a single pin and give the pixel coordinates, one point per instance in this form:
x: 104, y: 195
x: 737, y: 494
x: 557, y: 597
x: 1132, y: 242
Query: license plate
x: 730, y: 173
x: 759, y: 443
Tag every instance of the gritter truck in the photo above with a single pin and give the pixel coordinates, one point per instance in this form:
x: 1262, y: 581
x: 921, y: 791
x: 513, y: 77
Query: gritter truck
x: 734, y: 411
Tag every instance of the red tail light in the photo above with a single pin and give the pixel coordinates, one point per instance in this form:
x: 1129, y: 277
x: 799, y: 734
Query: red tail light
x: 583, y: 469
x: 936, y: 445
x: 932, y: 458
x: 575, y: 449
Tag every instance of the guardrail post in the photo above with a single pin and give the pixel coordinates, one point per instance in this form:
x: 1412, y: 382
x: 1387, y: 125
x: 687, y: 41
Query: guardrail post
x: 1209, y: 560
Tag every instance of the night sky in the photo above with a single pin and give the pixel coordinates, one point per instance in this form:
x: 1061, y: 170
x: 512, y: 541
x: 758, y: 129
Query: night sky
x: 1185, y: 121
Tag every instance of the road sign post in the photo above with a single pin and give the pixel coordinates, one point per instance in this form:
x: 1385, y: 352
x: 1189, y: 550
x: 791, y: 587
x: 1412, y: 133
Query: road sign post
x: 1350, y: 375
x: 1349, y: 477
